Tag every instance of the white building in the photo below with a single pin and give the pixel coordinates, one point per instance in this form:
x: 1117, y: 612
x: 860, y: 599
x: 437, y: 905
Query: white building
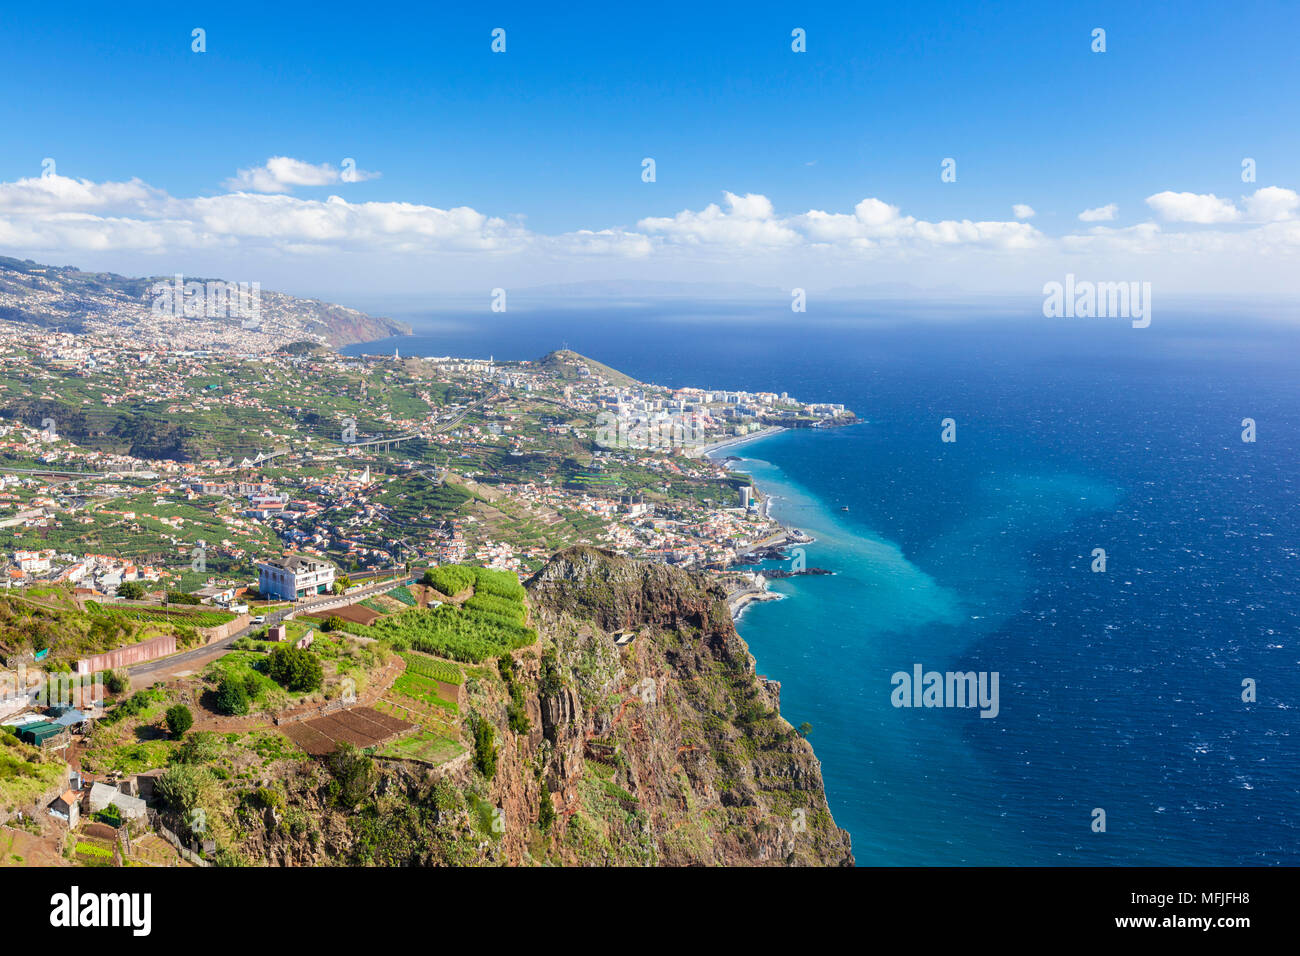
x: 294, y: 576
x: 101, y: 795
x: 30, y: 561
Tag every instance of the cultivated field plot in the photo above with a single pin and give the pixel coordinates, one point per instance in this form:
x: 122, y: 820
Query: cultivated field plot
x: 153, y: 850
x: 359, y: 726
x: 354, y: 613
x: 429, y: 747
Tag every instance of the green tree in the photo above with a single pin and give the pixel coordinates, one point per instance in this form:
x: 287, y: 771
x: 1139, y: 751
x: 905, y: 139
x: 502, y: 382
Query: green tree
x: 130, y: 590
x: 297, y: 669
x: 805, y: 729
x: 232, y: 696
x: 179, y: 719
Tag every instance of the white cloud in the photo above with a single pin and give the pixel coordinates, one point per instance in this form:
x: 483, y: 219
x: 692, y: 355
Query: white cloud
x: 1272, y: 204
x: 49, y: 194
x: 281, y: 173
x: 1193, y: 207
x: 1101, y: 214
x: 1267, y: 204
x: 1022, y: 211
x: 748, y: 222
x: 136, y: 228
x: 751, y: 222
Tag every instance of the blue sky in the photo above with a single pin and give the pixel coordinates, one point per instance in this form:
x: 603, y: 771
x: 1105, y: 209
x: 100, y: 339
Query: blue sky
x: 549, y: 136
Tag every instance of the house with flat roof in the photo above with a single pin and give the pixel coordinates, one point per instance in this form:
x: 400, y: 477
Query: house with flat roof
x: 101, y: 795
x: 294, y: 576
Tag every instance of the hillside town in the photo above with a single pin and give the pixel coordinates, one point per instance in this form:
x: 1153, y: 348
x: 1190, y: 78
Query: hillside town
x: 179, y: 517
x: 335, y: 484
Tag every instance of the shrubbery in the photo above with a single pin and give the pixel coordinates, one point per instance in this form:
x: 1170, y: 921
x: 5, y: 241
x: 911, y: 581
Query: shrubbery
x: 545, y: 810
x: 235, y: 694
x: 485, y: 747
x: 354, y: 776
x: 200, y: 747
x: 516, y: 709
x: 179, y: 719
x: 181, y: 787
x: 296, y: 669
x: 133, y: 706
x: 115, y: 682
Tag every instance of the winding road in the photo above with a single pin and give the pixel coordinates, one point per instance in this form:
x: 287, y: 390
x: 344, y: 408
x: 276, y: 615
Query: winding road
x: 140, y: 673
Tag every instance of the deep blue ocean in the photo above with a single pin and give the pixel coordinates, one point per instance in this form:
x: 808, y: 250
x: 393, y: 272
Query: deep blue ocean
x: 1120, y: 690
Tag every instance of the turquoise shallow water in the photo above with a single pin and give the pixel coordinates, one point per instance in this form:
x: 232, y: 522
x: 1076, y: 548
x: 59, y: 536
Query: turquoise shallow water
x: 906, y: 783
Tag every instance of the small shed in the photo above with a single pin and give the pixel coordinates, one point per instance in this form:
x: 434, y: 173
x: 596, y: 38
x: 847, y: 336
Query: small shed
x: 142, y: 784
x: 67, y: 807
x: 277, y: 632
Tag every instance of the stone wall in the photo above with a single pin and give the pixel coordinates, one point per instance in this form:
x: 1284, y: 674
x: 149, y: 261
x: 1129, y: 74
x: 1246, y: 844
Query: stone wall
x: 148, y: 650
x: 222, y: 631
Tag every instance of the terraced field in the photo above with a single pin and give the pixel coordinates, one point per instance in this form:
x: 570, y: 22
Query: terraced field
x: 360, y: 726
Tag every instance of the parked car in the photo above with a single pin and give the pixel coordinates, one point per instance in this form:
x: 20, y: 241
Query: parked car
x: 260, y: 619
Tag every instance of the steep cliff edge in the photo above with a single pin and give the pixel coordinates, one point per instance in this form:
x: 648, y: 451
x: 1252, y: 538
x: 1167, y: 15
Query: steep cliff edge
x: 635, y: 733
x: 692, y: 733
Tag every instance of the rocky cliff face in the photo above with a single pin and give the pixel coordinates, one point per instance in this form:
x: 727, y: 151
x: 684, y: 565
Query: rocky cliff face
x: 640, y: 735
x: 691, y: 733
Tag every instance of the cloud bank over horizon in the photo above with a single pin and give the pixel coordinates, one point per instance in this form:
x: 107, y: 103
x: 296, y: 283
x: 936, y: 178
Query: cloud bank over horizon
x: 1192, y: 242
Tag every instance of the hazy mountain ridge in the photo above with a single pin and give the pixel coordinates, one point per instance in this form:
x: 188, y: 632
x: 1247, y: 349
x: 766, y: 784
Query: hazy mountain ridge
x: 67, y: 299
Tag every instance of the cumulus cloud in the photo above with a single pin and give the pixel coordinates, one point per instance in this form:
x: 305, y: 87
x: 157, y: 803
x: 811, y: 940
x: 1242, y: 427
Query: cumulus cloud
x: 751, y: 222
x: 1101, y: 214
x: 743, y: 231
x: 54, y: 193
x: 55, y: 213
x: 748, y: 221
x: 1192, y: 207
x: 280, y: 174
x: 1268, y: 204
x: 1272, y: 204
